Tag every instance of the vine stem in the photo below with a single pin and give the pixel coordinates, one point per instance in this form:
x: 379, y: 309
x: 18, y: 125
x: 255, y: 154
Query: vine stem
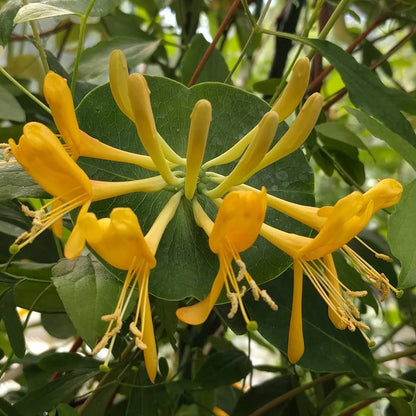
x: 247, y: 44
x: 292, y: 393
x: 38, y: 43
x: 24, y: 90
x: 82, y: 30
x: 58, y: 28
x: 214, y: 42
x: 319, y: 78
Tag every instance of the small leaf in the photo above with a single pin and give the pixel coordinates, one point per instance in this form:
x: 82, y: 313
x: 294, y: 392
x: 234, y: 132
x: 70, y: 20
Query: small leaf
x: 36, y: 11
x: 88, y: 291
x: 10, y: 108
x: 220, y: 368
x: 402, y: 238
x: 375, y: 127
x: 12, y: 322
x: 66, y: 361
x: 215, y: 68
x: 16, y: 183
x: 7, y: 14
x: 6, y: 409
x: 58, y: 325
x: 336, y: 131
x: 47, y: 397
x: 64, y: 409
x: 94, y: 60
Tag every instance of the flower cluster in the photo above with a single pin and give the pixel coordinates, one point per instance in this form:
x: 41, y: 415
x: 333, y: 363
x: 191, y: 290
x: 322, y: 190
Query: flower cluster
x: 51, y: 160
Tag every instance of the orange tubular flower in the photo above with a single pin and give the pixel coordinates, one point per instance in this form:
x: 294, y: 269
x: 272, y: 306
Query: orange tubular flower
x: 239, y: 219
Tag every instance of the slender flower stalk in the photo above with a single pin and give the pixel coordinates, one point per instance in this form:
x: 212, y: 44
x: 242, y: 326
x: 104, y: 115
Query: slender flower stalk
x: 284, y: 106
x: 236, y: 228
x: 77, y: 142
x: 198, y: 133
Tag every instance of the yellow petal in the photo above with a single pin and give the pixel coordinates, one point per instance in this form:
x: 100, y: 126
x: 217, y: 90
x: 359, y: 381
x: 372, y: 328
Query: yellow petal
x: 198, y: 313
x: 150, y: 353
x: 296, y: 345
x: 59, y: 97
x: 384, y: 194
x: 294, y: 90
x: 43, y: 157
x: 198, y: 133
x: 239, y: 219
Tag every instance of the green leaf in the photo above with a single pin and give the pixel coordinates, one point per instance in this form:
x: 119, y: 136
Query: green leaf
x: 146, y: 399
x: 67, y: 361
x: 47, y: 397
x: 337, y: 131
x: 224, y: 367
x: 397, y: 142
x: 58, y: 325
x: 402, y: 238
x: 94, y: 60
x: 7, y: 14
x: 16, y: 183
x: 36, y: 11
x: 6, y: 409
x: 64, y: 409
x: 10, y: 108
x: 55, y: 8
x: 264, y: 393
x: 366, y: 90
x: 184, y: 243
x: 87, y: 291
x: 12, y: 322
x: 327, y: 349
x: 215, y: 69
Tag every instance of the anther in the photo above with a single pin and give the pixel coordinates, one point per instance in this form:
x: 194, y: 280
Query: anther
x: 242, y: 270
x: 234, y: 304
x: 266, y: 297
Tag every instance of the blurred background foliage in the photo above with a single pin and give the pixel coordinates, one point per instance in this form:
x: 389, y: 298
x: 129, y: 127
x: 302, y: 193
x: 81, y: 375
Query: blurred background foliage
x: 363, y: 62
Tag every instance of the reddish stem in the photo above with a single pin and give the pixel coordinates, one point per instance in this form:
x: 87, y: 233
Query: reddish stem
x: 317, y: 81
x: 211, y: 47
x: 77, y: 343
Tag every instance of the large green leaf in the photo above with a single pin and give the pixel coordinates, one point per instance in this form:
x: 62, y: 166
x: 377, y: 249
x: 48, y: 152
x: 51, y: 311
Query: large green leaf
x: 327, y: 349
x: 402, y: 237
x: 87, y: 291
x: 186, y: 266
x: 366, y: 90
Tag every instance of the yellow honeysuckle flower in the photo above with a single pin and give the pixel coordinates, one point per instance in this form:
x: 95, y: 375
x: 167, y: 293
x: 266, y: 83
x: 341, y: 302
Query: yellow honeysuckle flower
x: 120, y: 242
x: 313, y: 257
x: 77, y: 142
x: 236, y: 227
x: 41, y: 154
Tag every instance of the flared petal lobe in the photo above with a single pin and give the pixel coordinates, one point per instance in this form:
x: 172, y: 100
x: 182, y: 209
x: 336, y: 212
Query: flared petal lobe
x: 42, y: 156
x: 238, y: 221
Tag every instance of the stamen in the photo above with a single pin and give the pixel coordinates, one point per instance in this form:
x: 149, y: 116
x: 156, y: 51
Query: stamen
x: 254, y: 289
x: 381, y: 256
x: 242, y: 269
x: 234, y: 304
x: 266, y: 297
